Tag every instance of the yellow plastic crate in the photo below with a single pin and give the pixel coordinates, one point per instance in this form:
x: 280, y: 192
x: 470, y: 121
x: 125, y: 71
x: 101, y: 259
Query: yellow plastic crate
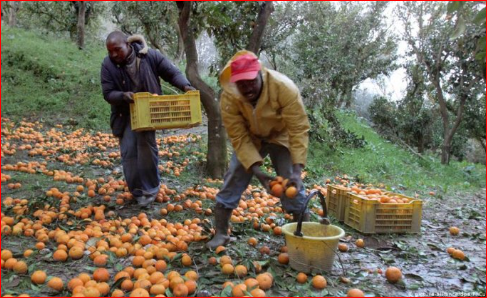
x: 336, y: 199
x: 373, y: 217
x: 152, y: 112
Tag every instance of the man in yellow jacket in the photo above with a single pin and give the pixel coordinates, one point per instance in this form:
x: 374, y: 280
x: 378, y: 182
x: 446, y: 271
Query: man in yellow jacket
x: 263, y: 114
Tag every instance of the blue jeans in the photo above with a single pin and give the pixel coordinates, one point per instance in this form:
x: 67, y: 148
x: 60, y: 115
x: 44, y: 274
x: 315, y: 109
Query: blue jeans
x: 139, y: 160
x: 237, y: 179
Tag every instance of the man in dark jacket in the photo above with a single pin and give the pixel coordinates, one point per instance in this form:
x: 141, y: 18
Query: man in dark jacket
x: 132, y: 67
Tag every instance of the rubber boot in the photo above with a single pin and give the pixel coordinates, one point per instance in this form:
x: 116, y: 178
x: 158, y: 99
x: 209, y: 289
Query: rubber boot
x: 222, y: 217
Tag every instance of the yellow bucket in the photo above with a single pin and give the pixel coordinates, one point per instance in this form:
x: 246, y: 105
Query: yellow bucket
x: 316, y: 250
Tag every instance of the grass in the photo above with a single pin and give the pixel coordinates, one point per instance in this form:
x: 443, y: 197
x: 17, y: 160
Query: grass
x: 49, y: 79
x: 381, y: 161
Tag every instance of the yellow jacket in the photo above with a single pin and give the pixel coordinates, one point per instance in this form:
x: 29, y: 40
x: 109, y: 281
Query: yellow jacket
x: 279, y: 117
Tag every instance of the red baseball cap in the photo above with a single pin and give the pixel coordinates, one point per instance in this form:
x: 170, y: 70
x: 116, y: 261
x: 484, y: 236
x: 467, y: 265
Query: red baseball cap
x: 245, y: 67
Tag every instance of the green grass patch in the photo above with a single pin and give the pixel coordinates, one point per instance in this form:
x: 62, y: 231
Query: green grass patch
x: 49, y: 79
x: 381, y: 161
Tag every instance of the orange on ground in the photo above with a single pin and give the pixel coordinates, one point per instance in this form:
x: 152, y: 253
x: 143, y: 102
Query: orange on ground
x: 238, y: 290
x: 302, y: 278
x: 283, y: 258
x: 181, y: 290
x: 38, y: 277
x: 319, y: 282
x: 265, y: 281
x: 355, y: 293
x: 56, y: 284
x: 393, y: 274
x: 454, y: 231
x: 360, y: 243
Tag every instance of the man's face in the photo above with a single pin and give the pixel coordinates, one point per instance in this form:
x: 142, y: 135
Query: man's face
x: 118, y: 51
x: 250, y: 89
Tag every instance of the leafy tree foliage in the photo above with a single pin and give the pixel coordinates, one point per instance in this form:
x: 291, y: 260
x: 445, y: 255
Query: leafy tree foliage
x: 338, y: 46
x: 157, y: 21
x: 59, y: 17
x: 453, y: 78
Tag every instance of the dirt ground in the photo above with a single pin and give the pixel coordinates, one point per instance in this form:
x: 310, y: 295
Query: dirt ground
x: 427, y: 268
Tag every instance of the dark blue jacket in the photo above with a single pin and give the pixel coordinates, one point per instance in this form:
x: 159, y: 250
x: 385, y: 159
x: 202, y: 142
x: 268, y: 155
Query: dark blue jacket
x: 115, y: 81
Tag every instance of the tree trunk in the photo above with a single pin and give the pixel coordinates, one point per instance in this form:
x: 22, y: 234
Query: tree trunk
x: 217, y: 147
x: 180, y: 49
x: 13, y: 8
x: 80, y: 27
x: 255, y: 42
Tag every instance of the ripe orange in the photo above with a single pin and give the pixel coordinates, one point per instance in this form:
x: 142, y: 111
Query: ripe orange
x: 138, y: 261
x: 450, y: 250
x: 101, y: 275
x: 252, y: 241
x: 101, y: 260
x: 240, y: 270
x: 191, y: 285
x: 251, y: 283
x: 56, y: 284
x: 360, y: 243
x: 127, y: 285
x: 6, y: 254
x: 302, y: 278
x: 20, y: 267
x: 355, y: 293
x: 227, y: 269
x: 393, y: 274
x: 38, y: 277
x: 139, y: 293
x: 145, y: 239
x: 265, y: 250
x: 225, y: 260
x: 76, y: 252
x: 238, y: 290
x: 454, y: 231
x: 291, y: 192
x: 319, y: 282
x: 118, y: 293
x: 157, y: 289
x: 10, y: 263
x: 219, y: 249
x: 60, y: 255
x: 265, y: 281
x: 73, y: 283
x: 186, y: 260
x: 283, y: 258
x: 193, y: 275
x: 257, y: 293
x: 277, y: 190
x: 458, y: 254
x: 181, y: 290
x: 342, y: 247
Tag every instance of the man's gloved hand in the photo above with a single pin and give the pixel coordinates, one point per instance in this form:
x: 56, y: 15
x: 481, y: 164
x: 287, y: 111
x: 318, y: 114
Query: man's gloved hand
x: 263, y: 178
x: 128, y: 97
x: 295, y: 178
x: 188, y: 88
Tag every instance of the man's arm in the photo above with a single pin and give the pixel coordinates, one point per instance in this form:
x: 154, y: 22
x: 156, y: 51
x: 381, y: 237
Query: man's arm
x: 170, y: 73
x: 114, y: 97
x: 297, y: 124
